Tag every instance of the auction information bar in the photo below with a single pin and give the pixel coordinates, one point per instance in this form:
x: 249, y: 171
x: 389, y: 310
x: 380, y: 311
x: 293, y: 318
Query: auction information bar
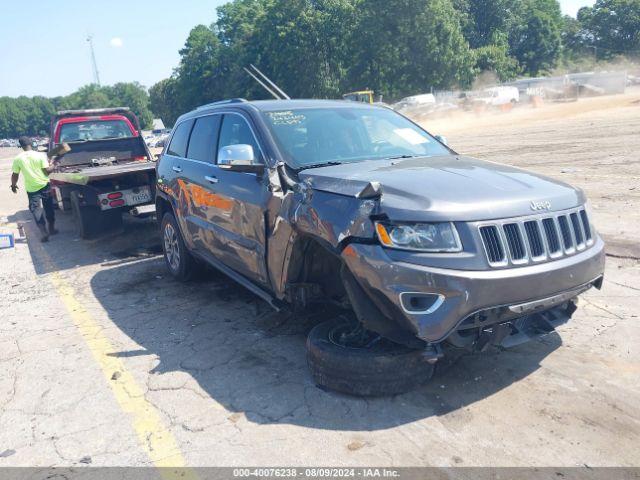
x: 404, y: 473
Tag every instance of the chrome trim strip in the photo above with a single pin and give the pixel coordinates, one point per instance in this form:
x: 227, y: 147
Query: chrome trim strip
x: 549, y: 301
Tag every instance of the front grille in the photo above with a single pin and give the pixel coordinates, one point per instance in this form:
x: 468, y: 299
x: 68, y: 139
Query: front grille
x: 492, y: 243
x: 566, y: 232
x: 585, y: 224
x: 577, y: 229
x: 514, y: 241
x: 551, y: 234
x: 537, y: 238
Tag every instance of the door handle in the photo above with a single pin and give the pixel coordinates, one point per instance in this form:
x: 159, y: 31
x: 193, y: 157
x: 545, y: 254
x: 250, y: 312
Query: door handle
x: 211, y: 179
x: 176, y: 169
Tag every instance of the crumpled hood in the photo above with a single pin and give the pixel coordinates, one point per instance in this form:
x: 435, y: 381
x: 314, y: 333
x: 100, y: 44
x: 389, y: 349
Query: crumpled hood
x: 446, y: 187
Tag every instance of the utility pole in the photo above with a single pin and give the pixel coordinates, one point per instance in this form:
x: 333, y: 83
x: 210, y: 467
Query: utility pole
x: 96, y: 74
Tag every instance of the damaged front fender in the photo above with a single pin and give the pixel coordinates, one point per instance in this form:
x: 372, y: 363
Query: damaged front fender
x: 330, y: 219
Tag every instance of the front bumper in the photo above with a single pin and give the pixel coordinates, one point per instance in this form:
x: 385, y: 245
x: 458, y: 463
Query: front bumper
x: 464, y: 293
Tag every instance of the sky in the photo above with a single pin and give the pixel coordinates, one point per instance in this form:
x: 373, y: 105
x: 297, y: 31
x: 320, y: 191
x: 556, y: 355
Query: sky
x: 571, y: 7
x: 44, y: 48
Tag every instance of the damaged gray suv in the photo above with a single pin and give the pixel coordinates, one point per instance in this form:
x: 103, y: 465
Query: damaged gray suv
x: 407, y: 248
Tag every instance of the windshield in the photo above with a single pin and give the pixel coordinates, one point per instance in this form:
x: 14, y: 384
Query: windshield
x: 94, y: 130
x: 316, y: 136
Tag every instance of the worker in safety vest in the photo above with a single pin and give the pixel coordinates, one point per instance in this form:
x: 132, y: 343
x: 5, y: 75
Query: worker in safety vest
x: 35, y: 168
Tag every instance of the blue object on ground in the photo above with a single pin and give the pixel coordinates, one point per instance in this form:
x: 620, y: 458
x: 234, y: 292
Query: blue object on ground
x: 6, y: 240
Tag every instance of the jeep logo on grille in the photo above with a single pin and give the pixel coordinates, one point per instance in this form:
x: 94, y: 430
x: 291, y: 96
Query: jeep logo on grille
x: 535, y: 206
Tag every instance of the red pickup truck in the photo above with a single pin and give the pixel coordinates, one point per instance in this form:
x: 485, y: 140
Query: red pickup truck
x: 108, y: 171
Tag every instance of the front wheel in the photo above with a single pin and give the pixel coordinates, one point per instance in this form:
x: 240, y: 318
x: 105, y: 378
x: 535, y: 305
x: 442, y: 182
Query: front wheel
x: 177, y: 258
x: 362, y: 363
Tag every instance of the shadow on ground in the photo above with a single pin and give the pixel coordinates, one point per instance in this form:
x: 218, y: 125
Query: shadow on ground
x: 247, y: 357
x: 139, y: 239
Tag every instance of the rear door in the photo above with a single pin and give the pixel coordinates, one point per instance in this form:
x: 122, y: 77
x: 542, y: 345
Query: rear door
x: 235, y: 205
x: 174, y: 174
x: 203, y: 202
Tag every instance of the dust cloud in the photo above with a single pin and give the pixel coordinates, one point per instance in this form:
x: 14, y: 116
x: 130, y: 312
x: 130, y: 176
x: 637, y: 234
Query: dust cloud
x: 460, y: 121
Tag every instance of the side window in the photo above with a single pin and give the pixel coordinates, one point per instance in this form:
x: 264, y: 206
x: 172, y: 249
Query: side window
x: 236, y: 131
x: 204, y: 139
x: 178, y: 146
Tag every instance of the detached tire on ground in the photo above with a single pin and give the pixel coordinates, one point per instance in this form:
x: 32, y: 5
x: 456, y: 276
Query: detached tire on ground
x: 384, y: 368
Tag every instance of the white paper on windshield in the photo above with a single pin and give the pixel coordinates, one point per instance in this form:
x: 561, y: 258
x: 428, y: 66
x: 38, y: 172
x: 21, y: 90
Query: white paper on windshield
x: 411, y: 136
x: 286, y: 118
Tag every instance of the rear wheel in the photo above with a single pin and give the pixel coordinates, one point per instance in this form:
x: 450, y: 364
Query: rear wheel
x: 358, y: 362
x: 90, y: 221
x: 180, y: 262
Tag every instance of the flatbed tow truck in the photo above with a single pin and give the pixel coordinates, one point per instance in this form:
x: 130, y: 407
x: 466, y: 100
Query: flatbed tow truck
x: 108, y: 170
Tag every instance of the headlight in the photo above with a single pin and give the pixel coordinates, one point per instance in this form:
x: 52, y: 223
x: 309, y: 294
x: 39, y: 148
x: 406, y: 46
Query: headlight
x: 426, y: 237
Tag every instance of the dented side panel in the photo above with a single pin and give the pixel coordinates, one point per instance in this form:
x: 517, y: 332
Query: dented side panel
x: 335, y: 218
x: 332, y: 220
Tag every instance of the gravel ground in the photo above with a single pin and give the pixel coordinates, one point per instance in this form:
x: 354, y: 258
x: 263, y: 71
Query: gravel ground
x: 107, y: 361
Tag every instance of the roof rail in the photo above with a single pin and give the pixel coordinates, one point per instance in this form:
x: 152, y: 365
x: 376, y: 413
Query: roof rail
x: 223, y: 102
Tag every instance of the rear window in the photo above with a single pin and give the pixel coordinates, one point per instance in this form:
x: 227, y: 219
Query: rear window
x: 94, y: 130
x: 178, y: 146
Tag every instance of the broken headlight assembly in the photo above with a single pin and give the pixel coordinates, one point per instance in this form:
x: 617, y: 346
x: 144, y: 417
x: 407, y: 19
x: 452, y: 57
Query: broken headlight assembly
x: 424, y: 237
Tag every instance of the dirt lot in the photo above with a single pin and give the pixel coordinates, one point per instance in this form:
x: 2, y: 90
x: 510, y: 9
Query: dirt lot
x: 107, y: 361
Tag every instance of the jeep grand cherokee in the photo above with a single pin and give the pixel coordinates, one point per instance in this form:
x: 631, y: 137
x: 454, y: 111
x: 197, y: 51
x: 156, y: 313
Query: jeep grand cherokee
x: 417, y: 248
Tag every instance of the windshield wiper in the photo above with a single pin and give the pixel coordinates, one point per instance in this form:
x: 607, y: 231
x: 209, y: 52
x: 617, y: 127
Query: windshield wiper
x: 398, y: 157
x: 319, y: 165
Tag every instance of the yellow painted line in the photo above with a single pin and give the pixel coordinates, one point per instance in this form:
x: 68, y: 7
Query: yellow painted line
x: 153, y: 435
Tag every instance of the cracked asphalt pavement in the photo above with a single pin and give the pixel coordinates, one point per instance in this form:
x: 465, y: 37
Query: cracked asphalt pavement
x: 105, y: 360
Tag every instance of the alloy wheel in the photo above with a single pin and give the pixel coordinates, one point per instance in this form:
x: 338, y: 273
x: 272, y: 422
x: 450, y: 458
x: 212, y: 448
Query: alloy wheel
x: 171, y: 247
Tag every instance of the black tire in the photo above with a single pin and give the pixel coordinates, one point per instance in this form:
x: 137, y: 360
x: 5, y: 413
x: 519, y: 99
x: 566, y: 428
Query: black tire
x: 90, y: 221
x: 183, y: 267
x: 385, y: 368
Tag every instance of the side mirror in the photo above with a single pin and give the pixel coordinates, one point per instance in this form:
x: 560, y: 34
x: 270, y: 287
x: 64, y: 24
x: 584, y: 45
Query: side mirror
x: 239, y: 158
x: 442, y: 140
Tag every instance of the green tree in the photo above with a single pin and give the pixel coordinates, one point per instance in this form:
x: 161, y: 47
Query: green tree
x: 134, y: 96
x: 612, y: 27
x: 31, y: 116
x: 482, y: 20
x: 198, y: 75
x: 403, y: 47
x: 13, y: 120
x: 163, y: 100
x: 41, y: 111
x: 495, y: 57
x: 237, y: 21
x: 300, y: 45
x: 22, y: 116
x: 578, y: 52
x: 535, y: 39
x: 89, y: 96
x: 486, y: 25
